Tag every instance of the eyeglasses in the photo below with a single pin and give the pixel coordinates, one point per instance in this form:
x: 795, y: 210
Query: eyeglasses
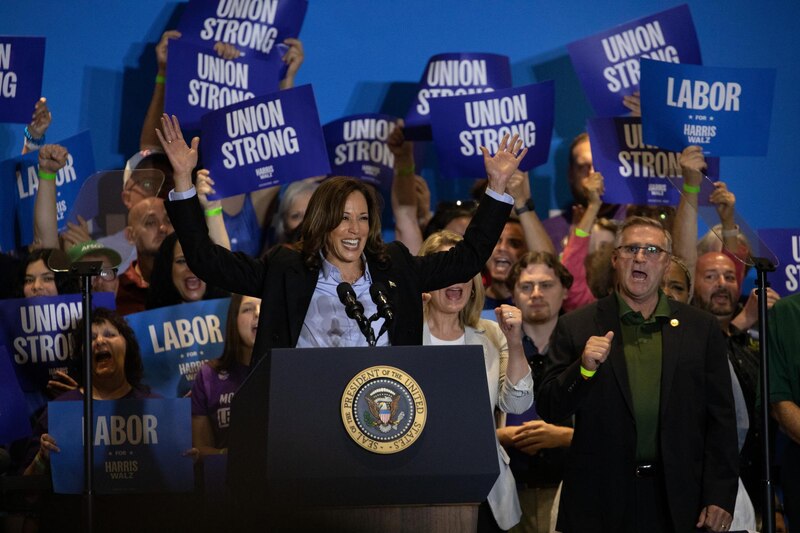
x: 632, y: 250
x: 108, y: 274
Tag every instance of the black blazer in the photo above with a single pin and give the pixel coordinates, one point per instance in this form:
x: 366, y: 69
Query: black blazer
x: 697, y: 422
x: 286, y: 285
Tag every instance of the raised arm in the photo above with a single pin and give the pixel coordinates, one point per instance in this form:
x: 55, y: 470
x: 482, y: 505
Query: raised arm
x: 502, y: 165
x: 536, y: 237
x: 148, y: 139
x: 404, y: 197
x: 212, y: 210
x: 684, y: 231
x: 52, y: 158
x: 40, y: 121
x: 293, y: 58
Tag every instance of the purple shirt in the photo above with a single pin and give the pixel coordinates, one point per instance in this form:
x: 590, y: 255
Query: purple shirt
x: 212, y: 394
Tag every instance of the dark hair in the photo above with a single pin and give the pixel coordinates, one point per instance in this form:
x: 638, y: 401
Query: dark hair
x: 539, y: 258
x: 233, y: 342
x: 324, y: 214
x: 65, y: 284
x: 158, y: 160
x: 162, y: 291
x: 600, y: 274
x: 133, y: 355
x: 446, y: 212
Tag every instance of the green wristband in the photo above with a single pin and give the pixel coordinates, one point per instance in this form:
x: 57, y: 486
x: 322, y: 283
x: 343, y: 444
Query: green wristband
x: 406, y: 171
x: 588, y: 374
x: 213, y: 212
x: 691, y: 188
x: 47, y: 176
x: 580, y: 233
x: 160, y: 80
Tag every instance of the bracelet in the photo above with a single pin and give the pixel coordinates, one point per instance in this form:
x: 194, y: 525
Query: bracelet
x: 580, y: 233
x: 406, y: 171
x: 587, y: 374
x: 691, y: 188
x: 730, y: 232
x: 160, y: 80
x: 528, y: 206
x: 47, y: 176
x: 214, y: 211
x: 35, y: 140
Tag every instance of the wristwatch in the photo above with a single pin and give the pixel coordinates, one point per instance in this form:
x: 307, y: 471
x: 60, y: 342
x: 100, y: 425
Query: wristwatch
x: 529, y: 206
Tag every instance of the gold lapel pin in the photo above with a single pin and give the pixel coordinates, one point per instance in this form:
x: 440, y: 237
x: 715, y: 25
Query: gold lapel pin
x: 674, y: 323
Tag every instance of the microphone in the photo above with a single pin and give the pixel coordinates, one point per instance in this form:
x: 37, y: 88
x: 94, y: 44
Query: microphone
x: 378, y: 293
x: 355, y: 310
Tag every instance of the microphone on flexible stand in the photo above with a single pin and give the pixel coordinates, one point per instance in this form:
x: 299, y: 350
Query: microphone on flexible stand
x: 355, y: 310
x: 378, y: 293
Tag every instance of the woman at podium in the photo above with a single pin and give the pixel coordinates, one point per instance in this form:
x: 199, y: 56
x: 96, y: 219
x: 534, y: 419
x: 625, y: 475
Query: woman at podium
x: 340, y: 243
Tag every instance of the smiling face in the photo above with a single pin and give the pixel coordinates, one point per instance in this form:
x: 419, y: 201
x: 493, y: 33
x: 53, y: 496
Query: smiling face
x: 508, y: 249
x: 345, y: 243
x: 39, y: 280
x: 639, y: 275
x: 247, y: 320
x: 716, y: 289
x: 190, y: 287
x: 539, y: 294
x: 108, y: 352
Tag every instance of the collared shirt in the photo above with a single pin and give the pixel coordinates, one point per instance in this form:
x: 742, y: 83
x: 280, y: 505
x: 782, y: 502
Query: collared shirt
x: 643, y: 356
x: 326, y: 323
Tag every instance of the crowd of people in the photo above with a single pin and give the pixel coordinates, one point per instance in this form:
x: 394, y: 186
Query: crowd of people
x: 620, y: 358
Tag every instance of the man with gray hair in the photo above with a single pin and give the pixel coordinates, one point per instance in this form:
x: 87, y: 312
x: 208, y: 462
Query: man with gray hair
x: 647, y: 379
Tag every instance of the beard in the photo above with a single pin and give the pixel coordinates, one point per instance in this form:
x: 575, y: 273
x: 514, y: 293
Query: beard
x: 719, y: 308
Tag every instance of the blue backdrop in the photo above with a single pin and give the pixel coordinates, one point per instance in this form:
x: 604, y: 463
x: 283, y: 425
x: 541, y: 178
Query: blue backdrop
x: 366, y: 56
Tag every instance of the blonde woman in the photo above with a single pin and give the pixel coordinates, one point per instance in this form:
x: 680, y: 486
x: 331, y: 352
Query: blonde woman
x: 452, y: 317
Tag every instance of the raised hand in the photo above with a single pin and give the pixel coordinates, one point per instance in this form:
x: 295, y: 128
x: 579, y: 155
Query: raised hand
x: 693, y: 165
x: 293, y: 58
x: 161, y: 49
x: 182, y: 157
x: 226, y: 51
x: 205, y: 186
x: 501, y: 166
x: 510, y: 320
x: 52, y: 158
x: 724, y: 200
x: 40, y: 120
x: 634, y: 103
x: 594, y: 187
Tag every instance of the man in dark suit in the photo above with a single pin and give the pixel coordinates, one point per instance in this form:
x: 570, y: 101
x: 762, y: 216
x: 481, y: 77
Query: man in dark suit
x: 647, y: 379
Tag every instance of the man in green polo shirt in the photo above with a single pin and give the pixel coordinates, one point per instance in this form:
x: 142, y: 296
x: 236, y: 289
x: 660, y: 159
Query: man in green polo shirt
x: 647, y: 379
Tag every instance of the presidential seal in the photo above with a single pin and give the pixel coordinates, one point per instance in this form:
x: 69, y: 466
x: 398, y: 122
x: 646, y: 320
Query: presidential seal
x: 383, y: 409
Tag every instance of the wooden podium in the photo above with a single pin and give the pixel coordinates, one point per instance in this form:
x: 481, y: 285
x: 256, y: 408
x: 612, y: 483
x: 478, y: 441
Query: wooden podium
x: 293, y: 466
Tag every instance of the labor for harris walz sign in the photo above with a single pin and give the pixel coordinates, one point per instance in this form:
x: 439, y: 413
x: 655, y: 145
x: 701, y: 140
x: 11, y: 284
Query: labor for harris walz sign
x: 21, y: 70
x: 462, y: 124
x: 357, y: 147
x: 257, y: 25
x: 199, y: 81
x: 634, y: 172
x: 139, y: 446
x: 607, y: 64
x: 454, y: 75
x: 269, y: 140
x: 785, y: 244
x: 726, y: 111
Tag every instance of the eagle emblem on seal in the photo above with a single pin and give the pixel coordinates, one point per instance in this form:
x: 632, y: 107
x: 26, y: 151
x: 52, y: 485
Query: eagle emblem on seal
x: 383, y: 405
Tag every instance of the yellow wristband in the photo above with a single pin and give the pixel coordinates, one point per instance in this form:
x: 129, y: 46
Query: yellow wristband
x: 213, y: 212
x: 47, y: 176
x: 691, y: 188
x: 160, y: 80
x: 588, y: 374
x: 580, y: 233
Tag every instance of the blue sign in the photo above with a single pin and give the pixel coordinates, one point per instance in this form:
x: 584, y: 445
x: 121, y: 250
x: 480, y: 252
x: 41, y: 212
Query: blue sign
x: 357, y: 147
x: 636, y: 173
x: 785, y: 244
x: 256, y: 25
x: 454, y: 75
x: 269, y: 140
x: 80, y: 165
x: 14, y: 423
x: 8, y: 240
x: 38, y: 333
x: 21, y: 70
x: 462, y: 124
x: 139, y: 446
x: 199, y: 81
x: 176, y: 340
x: 727, y: 111
x: 607, y: 64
